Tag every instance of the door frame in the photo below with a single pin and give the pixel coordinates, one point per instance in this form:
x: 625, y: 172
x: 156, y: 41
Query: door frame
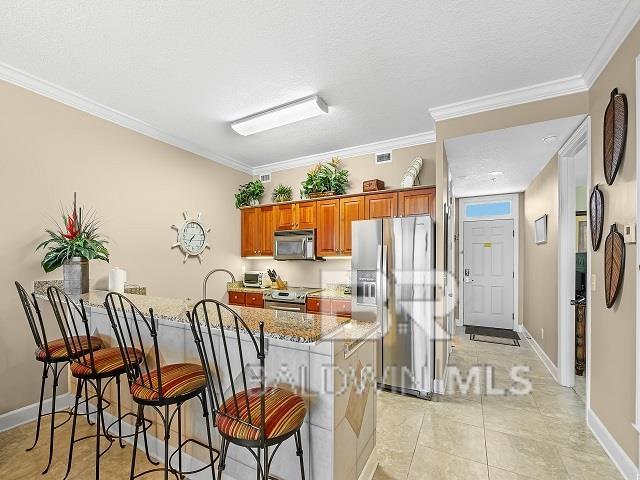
x: 514, y: 198
x: 637, y: 422
x: 579, y: 140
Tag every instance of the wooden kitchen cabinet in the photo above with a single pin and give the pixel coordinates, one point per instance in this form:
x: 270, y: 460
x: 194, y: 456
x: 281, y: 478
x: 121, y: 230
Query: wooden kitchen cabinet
x: 266, y: 227
x: 381, y: 205
x: 421, y: 201
x: 249, y: 229
x: 255, y: 300
x: 328, y: 228
x: 341, y: 308
x: 318, y: 305
x: 351, y: 210
x: 237, y: 298
x: 295, y: 216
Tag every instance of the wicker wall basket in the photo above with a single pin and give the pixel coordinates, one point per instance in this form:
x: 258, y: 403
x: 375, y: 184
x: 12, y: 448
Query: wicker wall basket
x: 596, y: 217
x: 614, y: 253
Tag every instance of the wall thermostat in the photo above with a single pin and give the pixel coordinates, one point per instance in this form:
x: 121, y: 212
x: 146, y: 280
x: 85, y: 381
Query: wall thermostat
x: 630, y: 233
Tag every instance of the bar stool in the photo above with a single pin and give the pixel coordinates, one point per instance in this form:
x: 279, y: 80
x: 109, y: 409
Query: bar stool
x: 254, y: 418
x: 90, y: 367
x: 154, y: 385
x: 54, y: 357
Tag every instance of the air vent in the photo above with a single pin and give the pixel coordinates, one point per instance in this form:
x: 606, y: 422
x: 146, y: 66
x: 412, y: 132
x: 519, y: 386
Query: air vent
x: 265, y: 177
x: 383, y: 158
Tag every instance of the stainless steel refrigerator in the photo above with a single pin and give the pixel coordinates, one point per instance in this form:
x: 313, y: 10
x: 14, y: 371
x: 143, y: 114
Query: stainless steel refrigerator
x: 393, y: 276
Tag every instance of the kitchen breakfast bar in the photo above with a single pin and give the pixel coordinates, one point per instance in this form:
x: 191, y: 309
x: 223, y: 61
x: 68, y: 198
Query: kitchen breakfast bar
x: 328, y: 360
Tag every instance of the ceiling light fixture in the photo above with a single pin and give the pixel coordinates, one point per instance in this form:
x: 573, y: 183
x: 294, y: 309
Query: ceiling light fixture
x: 550, y: 139
x: 292, y: 112
x: 495, y: 174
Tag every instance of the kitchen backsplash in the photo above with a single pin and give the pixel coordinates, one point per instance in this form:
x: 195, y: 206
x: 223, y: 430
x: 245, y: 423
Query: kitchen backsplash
x: 308, y: 274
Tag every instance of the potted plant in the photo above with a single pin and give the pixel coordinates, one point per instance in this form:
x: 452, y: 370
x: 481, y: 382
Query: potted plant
x: 282, y: 193
x: 326, y: 179
x: 73, y: 246
x: 249, y: 194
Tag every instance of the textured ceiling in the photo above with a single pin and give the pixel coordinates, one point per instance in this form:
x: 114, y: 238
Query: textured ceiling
x: 518, y: 152
x: 189, y: 68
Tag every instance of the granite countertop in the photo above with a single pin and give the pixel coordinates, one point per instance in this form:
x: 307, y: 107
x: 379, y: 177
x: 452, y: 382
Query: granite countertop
x: 290, y: 326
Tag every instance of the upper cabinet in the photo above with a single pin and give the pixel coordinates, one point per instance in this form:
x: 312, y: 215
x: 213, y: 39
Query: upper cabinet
x: 351, y: 209
x: 295, y: 216
x: 420, y: 201
x: 328, y: 228
x: 381, y: 205
x: 331, y: 218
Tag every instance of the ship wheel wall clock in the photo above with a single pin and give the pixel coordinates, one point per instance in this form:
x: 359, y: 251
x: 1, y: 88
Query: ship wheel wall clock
x: 596, y: 217
x: 615, y: 134
x: 613, y: 265
x: 192, y: 237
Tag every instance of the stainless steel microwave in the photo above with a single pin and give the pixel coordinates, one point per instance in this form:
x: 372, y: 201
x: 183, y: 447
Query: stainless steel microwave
x: 294, y: 245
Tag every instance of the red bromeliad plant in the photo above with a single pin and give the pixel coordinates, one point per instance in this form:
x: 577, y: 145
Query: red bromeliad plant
x: 78, y: 238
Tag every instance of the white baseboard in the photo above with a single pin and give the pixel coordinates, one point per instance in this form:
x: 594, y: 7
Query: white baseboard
x: 618, y: 456
x: 370, y: 467
x: 27, y: 414
x: 553, y: 370
x: 520, y: 328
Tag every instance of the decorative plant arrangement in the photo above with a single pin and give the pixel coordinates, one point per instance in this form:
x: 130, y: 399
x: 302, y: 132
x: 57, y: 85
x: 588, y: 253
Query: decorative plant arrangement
x: 72, y: 246
x: 326, y: 179
x: 282, y: 193
x: 249, y: 194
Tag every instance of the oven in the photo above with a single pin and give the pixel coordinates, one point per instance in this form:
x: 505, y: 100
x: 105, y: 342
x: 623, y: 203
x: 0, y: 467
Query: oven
x: 286, y: 306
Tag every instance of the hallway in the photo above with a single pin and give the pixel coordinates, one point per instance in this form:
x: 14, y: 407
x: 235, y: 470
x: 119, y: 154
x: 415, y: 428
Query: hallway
x: 542, y: 435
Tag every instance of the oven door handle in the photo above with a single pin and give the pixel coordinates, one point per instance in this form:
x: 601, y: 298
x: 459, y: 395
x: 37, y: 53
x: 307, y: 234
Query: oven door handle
x: 291, y: 309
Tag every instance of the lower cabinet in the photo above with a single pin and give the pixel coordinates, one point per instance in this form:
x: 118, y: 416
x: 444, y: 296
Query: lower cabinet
x: 248, y: 299
x: 340, y: 308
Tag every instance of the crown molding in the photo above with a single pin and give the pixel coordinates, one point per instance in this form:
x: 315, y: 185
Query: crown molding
x: 509, y: 98
x: 375, y: 147
x: 621, y: 28
x: 47, y: 89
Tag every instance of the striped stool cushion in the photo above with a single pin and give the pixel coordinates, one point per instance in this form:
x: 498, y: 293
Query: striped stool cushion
x: 177, y: 379
x: 58, y: 350
x: 106, y: 360
x: 284, y: 414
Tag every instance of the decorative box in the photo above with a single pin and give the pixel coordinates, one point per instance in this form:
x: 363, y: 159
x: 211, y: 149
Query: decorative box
x: 372, y: 185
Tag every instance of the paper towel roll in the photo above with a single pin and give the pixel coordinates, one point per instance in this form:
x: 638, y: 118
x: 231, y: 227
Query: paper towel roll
x: 117, y: 277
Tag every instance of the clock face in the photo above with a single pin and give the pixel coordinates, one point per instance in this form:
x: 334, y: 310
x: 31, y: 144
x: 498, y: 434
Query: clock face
x: 193, y: 237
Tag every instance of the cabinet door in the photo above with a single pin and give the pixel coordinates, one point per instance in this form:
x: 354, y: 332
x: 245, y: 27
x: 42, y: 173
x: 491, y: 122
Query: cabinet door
x: 236, y: 298
x: 351, y: 209
x: 284, y: 216
x: 318, y: 305
x: 381, y: 205
x: 328, y: 228
x: 417, y: 202
x: 266, y: 227
x: 341, y: 308
x: 248, y: 235
x: 255, y: 300
x: 305, y: 215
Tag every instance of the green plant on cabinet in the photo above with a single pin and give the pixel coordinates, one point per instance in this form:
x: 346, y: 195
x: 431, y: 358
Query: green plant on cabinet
x: 282, y: 193
x: 249, y: 194
x: 328, y: 177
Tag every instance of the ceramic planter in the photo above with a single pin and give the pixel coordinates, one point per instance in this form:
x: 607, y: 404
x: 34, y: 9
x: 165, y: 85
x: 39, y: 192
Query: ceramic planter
x: 75, y: 272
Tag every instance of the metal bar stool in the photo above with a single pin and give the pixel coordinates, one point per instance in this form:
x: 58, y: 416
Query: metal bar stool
x: 157, y: 386
x: 89, y: 366
x: 256, y: 418
x: 54, y: 357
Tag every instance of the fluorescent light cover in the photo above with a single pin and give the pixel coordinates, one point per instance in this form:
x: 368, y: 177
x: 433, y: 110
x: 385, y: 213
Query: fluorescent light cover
x: 283, y: 115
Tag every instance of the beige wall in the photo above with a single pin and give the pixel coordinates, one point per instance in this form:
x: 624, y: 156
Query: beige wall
x: 363, y: 167
x: 613, y: 331
x: 138, y: 186
x: 540, y: 272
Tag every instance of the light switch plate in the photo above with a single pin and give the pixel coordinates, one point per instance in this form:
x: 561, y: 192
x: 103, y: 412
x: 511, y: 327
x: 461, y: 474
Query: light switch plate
x: 630, y: 233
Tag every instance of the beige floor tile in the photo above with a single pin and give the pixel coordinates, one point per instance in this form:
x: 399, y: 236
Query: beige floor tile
x: 434, y: 465
x: 523, y: 402
x: 574, y: 434
x: 499, y: 474
x: 524, y: 456
x: 588, y: 467
x: 455, y: 409
x: 515, y: 421
x: 458, y: 439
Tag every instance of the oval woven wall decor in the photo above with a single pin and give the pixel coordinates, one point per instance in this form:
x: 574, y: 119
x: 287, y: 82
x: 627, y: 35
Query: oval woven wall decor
x: 596, y: 217
x: 615, y: 134
x: 613, y: 265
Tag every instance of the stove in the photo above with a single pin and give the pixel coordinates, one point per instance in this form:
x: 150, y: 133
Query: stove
x: 293, y: 299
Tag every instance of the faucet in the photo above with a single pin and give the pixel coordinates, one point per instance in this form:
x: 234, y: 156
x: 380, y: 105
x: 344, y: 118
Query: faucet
x: 206, y: 278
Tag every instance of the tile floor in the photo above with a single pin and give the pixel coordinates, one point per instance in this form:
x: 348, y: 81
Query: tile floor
x: 474, y: 435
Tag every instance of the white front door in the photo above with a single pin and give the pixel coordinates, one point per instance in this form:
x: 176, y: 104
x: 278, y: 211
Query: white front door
x: 488, y: 274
